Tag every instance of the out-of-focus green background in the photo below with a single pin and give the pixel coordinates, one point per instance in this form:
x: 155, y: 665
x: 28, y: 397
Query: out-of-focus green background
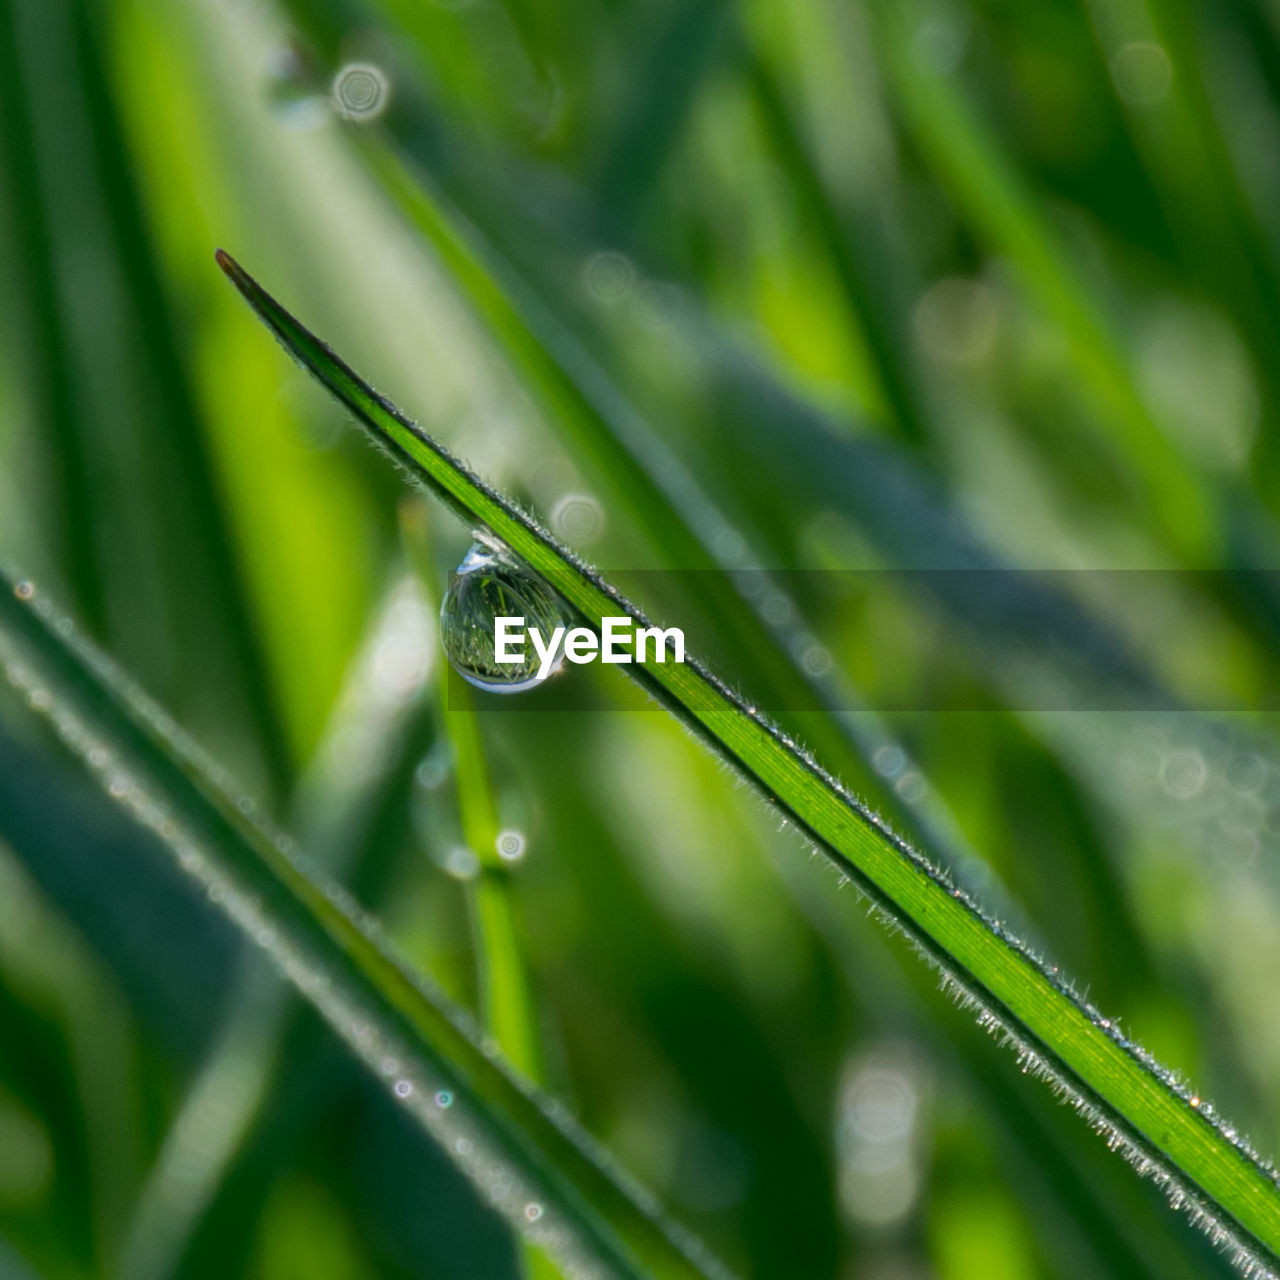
x: 902, y: 285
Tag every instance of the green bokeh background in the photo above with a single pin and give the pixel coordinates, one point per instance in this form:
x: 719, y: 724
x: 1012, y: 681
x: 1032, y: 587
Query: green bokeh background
x: 902, y: 286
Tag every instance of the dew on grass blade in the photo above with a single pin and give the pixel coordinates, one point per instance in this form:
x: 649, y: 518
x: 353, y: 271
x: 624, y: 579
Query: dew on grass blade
x: 491, y: 584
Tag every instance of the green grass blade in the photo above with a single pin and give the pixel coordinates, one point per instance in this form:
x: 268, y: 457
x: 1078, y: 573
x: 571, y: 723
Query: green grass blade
x: 146, y: 549
x: 508, y: 1006
x: 506, y: 996
x: 671, y: 67
x: 177, y: 434
x: 1154, y: 1120
x: 337, y: 816
x: 995, y: 199
x: 859, y: 256
x: 635, y: 469
x: 34, y: 289
x: 529, y: 1162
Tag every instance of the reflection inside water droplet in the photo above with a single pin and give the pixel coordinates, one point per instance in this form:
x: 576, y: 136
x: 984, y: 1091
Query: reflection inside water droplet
x: 491, y: 584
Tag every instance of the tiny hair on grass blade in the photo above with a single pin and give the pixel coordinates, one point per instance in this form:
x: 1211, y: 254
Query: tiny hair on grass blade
x: 1145, y: 1112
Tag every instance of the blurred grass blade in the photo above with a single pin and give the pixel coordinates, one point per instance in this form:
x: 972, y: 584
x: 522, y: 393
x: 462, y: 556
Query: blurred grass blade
x: 860, y: 255
x: 33, y: 291
x: 1144, y: 1112
x: 528, y: 1161
x: 637, y: 470
x: 336, y: 817
x: 507, y: 1000
x: 506, y: 997
x: 147, y: 548
x: 1003, y: 212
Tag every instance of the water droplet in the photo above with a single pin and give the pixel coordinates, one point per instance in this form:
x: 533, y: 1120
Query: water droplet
x: 510, y: 845
x: 910, y: 786
x: 460, y: 862
x: 816, y: 660
x: 361, y: 91
x: 1184, y: 774
x: 403, y: 1089
x: 578, y: 518
x: 444, y: 1099
x: 533, y: 1212
x: 433, y: 769
x: 1142, y: 72
x: 24, y: 590
x: 490, y: 584
x: 609, y: 276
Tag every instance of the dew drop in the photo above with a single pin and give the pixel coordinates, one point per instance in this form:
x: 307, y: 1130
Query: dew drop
x: 360, y: 91
x: 816, y: 660
x: 460, y: 862
x: 491, y: 584
x: 609, y: 276
x: 432, y: 770
x: 578, y: 518
x: 510, y: 845
x: 24, y: 590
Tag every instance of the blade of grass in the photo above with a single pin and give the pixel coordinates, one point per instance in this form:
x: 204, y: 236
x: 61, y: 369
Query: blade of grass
x: 986, y: 186
x: 528, y: 1160
x: 854, y: 244
x: 1183, y: 147
x: 116, y: 888
x: 1154, y: 1120
x: 534, y: 329
x: 571, y: 228
x: 1121, y: 1224
x: 199, y: 510
x: 311, y: 1078
x: 336, y: 812
x: 164, y: 576
x: 506, y: 997
x: 1194, y: 517
x: 507, y: 1000
x: 1181, y: 143
x: 34, y: 287
x: 638, y: 471
x: 668, y: 68
x: 533, y: 325
x: 70, y: 1057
